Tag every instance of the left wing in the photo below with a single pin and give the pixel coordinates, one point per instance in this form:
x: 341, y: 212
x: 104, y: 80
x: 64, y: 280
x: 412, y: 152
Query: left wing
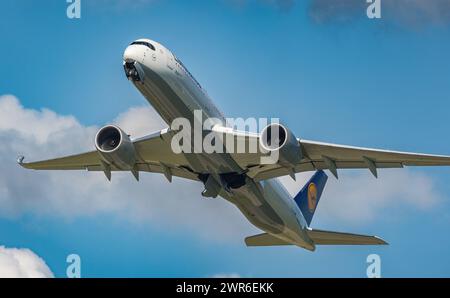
x: 154, y: 155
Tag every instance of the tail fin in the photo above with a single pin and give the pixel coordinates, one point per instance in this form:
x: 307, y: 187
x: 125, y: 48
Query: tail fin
x: 308, y: 198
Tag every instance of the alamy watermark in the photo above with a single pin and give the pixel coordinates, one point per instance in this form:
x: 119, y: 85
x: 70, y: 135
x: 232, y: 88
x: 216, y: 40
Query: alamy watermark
x: 74, y: 268
x: 374, y: 9
x: 374, y: 268
x: 234, y: 135
x: 73, y: 9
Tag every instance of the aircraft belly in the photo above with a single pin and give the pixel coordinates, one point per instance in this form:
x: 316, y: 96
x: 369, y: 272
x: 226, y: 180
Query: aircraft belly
x: 170, y: 105
x: 162, y: 97
x: 251, y: 201
x: 261, y: 216
x: 261, y: 202
x: 267, y: 206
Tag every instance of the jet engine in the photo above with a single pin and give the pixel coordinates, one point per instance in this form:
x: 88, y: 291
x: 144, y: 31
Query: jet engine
x: 277, y: 138
x: 115, y: 147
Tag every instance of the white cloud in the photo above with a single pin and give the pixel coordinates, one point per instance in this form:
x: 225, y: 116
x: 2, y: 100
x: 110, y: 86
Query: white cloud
x: 140, y: 121
x: 357, y: 197
x: 16, y: 119
x: 69, y: 194
x: 22, y: 263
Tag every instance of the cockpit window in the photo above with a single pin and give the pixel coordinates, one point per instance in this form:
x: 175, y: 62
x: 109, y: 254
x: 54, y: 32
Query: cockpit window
x: 144, y: 43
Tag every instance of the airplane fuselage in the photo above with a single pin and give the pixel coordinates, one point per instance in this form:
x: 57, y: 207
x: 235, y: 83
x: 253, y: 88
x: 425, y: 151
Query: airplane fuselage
x: 174, y: 93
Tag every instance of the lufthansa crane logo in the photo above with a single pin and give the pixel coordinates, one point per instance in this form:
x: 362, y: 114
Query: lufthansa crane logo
x: 312, y: 197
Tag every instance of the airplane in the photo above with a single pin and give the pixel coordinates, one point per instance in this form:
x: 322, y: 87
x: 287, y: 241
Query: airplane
x: 238, y: 177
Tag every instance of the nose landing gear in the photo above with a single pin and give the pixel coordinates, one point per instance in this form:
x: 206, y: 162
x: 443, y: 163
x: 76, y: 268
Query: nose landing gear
x: 132, y: 72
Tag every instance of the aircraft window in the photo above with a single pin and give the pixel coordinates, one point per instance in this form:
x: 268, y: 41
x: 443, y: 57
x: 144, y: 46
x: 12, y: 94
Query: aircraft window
x: 187, y: 71
x: 147, y: 44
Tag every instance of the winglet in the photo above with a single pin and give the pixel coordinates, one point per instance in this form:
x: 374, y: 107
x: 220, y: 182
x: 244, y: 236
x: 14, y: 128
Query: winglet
x: 20, y: 159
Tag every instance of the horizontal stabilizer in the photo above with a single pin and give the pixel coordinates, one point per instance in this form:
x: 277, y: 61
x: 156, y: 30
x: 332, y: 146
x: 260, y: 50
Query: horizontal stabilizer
x: 264, y: 240
x: 335, y: 238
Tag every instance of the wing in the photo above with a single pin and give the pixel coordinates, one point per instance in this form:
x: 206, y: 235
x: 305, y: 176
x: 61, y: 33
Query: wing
x: 154, y: 155
x: 321, y: 156
x: 329, y: 156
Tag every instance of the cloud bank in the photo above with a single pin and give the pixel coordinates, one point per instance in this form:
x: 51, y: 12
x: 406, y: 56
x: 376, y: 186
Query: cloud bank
x: 358, y: 198
x: 22, y: 263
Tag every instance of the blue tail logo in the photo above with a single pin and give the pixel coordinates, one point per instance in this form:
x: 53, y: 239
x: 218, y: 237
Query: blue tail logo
x: 308, y: 198
x: 312, y: 197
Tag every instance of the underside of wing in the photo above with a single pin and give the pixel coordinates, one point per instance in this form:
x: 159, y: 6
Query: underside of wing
x: 153, y: 155
x: 333, y: 157
x: 73, y: 162
x: 321, y: 156
x: 347, y: 156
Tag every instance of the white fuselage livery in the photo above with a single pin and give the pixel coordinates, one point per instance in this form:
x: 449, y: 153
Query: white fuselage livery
x: 173, y: 92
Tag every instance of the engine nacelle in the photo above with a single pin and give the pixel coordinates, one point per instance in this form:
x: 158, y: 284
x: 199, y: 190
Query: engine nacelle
x: 276, y: 137
x: 115, y: 147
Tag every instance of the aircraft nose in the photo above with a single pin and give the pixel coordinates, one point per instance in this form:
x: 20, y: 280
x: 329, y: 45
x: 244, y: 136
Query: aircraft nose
x: 131, y: 54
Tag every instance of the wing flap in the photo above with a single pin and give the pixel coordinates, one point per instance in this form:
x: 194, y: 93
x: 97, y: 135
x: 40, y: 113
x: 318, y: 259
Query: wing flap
x: 155, y: 168
x: 320, y: 237
x: 273, y: 171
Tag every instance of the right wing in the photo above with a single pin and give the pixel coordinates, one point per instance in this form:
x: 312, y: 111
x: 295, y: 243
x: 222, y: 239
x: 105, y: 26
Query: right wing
x: 154, y: 155
x: 326, y: 156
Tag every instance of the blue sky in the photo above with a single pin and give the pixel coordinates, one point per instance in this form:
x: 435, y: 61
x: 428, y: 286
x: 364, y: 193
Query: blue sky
x: 377, y: 83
